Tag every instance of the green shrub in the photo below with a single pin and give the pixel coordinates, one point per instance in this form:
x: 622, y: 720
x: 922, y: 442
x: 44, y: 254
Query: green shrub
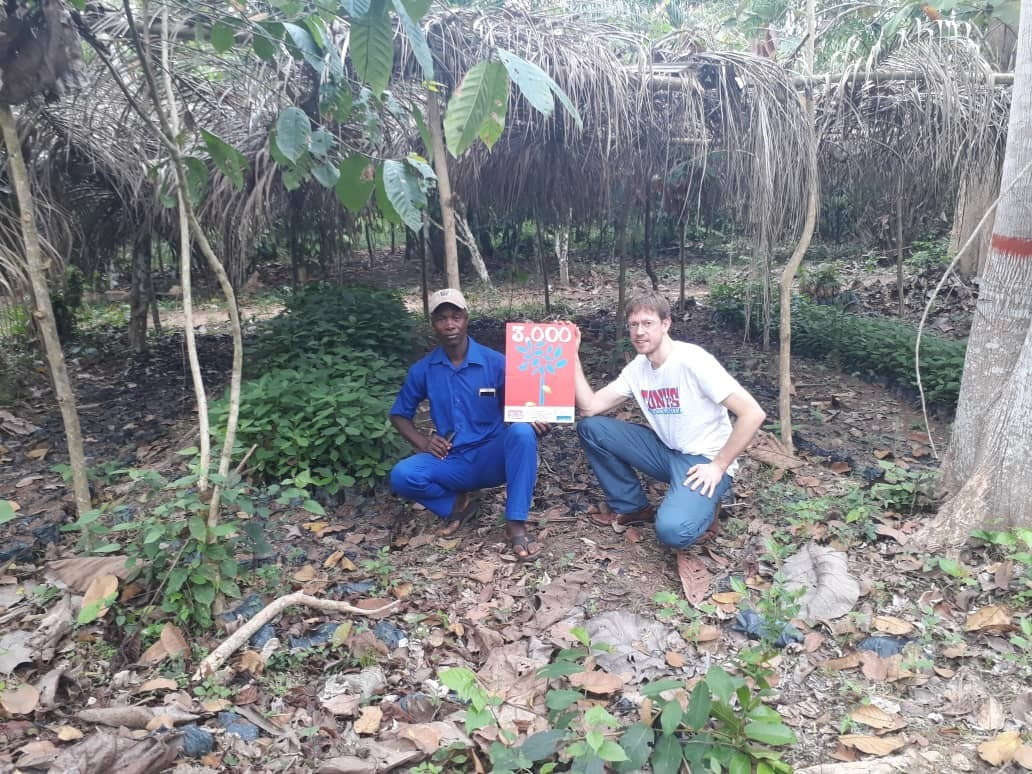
x: 865, y: 345
x: 321, y: 318
x: 323, y: 422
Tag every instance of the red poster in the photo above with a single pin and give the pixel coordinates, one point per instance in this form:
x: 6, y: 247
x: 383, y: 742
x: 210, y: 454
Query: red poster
x: 538, y: 372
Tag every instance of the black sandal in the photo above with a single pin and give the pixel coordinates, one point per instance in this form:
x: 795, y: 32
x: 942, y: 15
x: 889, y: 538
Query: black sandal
x: 458, y: 519
x: 521, y: 541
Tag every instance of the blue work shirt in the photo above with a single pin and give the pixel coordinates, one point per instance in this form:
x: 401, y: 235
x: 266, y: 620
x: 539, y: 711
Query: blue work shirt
x: 467, y: 398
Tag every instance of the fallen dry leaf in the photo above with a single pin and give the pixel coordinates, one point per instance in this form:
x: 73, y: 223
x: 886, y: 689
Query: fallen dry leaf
x: 174, y: 642
x: 875, y: 717
x: 840, y: 467
x: 38, y: 454
x: 707, y: 633
x: 68, y: 733
x: 425, y: 736
x: 990, y: 716
x: 994, y: 618
x: 332, y: 559
x: 154, y: 654
x: 402, y: 590
x: 316, y: 527
x: 160, y: 722
x: 695, y: 578
x: 892, y: 625
x: 102, y: 588
x: 872, y: 745
x: 21, y: 700
x: 158, y: 684
x: 850, y: 661
x: 343, y: 704
x: 1023, y: 757
x: 252, y: 661
x: 305, y: 574
x: 674, y: 659
x: 369, y: 721
x: 1000, y: 750
x: 597, y: 682
x: 727, y: 597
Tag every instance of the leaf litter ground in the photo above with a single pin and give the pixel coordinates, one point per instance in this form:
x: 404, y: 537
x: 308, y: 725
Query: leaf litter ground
x: 346, y: 693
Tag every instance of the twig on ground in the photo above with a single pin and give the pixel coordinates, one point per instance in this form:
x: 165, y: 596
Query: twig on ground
x: 218, y: 656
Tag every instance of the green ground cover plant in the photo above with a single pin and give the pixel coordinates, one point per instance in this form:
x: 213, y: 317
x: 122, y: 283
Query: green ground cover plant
x: 868, y: 346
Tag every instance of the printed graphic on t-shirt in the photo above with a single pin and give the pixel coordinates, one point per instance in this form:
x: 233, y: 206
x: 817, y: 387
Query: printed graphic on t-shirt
x: 665, y: 400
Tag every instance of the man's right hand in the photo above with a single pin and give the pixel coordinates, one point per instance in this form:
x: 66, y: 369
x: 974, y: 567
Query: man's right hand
x: 437, y: 445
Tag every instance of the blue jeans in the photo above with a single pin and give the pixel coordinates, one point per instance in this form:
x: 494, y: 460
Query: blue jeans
x: 617, y: 450
x: 508, y: 458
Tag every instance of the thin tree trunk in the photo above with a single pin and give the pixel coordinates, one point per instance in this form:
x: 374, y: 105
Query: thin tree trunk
x: 369, y: 244
x: 466, y: 234
x: 681, y: 259
x: 978, y: 190
x: 540, y: 242
x: 899, y: 244
x: 140, y: 294
x: 424, y: 257
x: 44, y: 311
x: 649, y: 270
x: 562, y: 249
x: 451, y: 248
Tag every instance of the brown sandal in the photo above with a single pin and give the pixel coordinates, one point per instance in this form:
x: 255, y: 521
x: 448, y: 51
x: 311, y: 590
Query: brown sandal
x: 646, y: 515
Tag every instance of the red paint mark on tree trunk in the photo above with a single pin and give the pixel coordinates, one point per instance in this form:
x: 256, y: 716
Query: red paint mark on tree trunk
x: 1019, y: 247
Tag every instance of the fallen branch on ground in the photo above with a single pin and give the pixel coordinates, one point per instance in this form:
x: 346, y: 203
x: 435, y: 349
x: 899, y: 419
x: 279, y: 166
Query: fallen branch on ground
x: 218, y: 656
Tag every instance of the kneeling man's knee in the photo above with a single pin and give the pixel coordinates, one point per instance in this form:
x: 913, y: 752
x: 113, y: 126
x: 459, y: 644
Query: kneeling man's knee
x: 588, y: 427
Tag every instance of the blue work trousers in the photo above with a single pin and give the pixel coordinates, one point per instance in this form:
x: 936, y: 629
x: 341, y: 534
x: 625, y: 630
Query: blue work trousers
x: 618, y: 449
x: 508, y: 458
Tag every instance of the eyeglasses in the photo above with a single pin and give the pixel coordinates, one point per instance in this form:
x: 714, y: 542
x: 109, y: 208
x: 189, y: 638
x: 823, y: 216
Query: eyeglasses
x: 645, y: 325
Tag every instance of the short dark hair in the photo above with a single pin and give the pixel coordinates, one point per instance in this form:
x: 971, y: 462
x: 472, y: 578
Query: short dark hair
x: 649, y: 301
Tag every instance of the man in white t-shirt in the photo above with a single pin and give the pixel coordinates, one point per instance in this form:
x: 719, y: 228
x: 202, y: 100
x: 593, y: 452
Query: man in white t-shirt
x: 690, y: 443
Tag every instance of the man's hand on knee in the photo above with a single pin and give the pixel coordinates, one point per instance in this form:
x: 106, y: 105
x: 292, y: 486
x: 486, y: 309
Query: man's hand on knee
x: 705, y: 478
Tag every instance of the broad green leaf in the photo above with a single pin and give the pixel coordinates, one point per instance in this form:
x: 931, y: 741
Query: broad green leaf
x: 698, y: 706
x: 421, y: 165
x: 740, y: 763
x: 416, y: 39
x: 721, y: 683
x: 198, y: 529
x: 594, y: 739
x: 666, y: 755
x: 560, y: 669
x: 542, y: 745
x: 536, y: 85
x: 321, y: 143
x: 203, y: 593
x: 326, y: 173
x: 561, y: 699
x: 494, y: 122
x: 357, y: 7
x: 598, y: 716
x: 611, y: 752
x: 264, y: 45
x: 356, y: 181
x: 372, y: 50
x: 196, y: 179
x: 403, y: 193
x: 7, y: 512
x: 293, y: 133
x: 481, y: 90
x: 222, y: 36
x: 636, y: 742
x: 417, y: 8
x: 657, y: 687
x: 458, y: 679
x: 424, y: 130
x: 231, y: 162
x: 670, y: 717
x: 313, y: 507
x: 770, y: 733
x: 304, y: 44
x: 94, y: 610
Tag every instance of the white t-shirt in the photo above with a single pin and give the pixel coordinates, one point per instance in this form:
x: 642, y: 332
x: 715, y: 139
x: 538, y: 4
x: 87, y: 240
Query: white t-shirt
x: 682, y: 399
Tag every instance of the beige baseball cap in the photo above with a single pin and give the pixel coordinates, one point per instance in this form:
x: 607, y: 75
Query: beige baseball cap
x: 447, y: 296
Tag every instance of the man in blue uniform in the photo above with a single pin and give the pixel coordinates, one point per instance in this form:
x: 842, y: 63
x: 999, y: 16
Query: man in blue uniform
x: 470, y: 446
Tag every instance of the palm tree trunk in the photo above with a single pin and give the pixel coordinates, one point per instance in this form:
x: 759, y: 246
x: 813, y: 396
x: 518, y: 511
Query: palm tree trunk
x: 988, y: 468
x: 44, y: 312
